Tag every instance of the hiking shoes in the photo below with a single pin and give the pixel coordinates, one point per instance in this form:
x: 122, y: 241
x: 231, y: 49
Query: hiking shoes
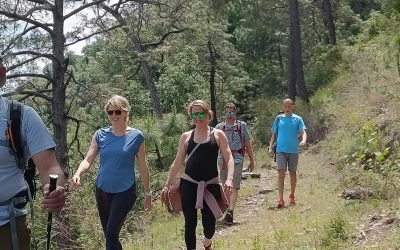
x: 281, y: 204
x: 228, y: 219
x: 292, y: 200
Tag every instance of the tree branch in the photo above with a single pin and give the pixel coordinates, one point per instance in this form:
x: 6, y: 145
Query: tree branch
x: 31, y: 75
x: 154, y: 44
x: 22, y: 63
x: 28, y: 20
x: 40, y: 2
x: 30, y: 52
x: 15, y: 39
x: 76, y: 136
x: 30, y: 93
x: 93, y: 34
x: 75, y: 11
x: 36, y: 8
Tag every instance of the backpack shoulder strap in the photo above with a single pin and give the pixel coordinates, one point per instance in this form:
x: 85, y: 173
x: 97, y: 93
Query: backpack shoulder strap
x: 14, y: 130
x: 239, y: 130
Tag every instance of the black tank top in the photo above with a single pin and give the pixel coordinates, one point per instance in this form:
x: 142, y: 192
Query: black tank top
x: 202, y: 165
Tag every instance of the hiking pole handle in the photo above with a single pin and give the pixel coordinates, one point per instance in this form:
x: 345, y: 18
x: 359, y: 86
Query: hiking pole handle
x: 53, y: 184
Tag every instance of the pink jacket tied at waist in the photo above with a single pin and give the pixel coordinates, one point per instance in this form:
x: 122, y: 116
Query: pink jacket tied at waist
x: 204, y: 194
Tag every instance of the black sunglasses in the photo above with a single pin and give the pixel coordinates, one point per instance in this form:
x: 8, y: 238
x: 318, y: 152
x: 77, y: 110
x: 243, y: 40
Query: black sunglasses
x: 111, y: 112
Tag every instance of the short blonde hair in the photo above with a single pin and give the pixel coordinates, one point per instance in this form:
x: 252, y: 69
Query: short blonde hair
x: 118, y: 101
x: 203, y: 105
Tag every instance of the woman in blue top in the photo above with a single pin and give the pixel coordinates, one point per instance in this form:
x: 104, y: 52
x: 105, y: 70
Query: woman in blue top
x: 115, y: 185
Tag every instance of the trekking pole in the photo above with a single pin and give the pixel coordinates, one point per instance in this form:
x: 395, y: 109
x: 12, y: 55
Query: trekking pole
x: 53, y: 183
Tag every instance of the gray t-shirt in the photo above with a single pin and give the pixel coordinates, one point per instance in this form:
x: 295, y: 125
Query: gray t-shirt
x: 36, y: 139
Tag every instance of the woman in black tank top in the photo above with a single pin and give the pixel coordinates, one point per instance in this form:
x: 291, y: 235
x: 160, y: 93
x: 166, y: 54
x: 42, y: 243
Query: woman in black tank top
x: 201, y: 166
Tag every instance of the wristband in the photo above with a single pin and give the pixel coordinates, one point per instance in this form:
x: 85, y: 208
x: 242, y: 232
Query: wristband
x: 148, y: 194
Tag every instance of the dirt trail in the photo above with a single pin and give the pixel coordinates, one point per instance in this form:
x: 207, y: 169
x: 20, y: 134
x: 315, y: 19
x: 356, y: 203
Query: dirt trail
x: 317, y: 196
x: 250, y: 205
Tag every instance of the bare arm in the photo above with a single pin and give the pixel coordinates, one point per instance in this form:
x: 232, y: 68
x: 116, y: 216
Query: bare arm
x: 179, y: 159
x: 143, y: 168
x: 303, y: 138
x: 46, y: 163
x: 86, y: 163
x: 226, y: 153
x: 271, y: 142
x: 249, y: 149
x: 176, y: 165
x: 144, y: 175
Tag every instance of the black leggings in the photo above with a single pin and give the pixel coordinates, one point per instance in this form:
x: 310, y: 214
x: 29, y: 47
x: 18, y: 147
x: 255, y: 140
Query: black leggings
x: 113, y: 208
x: 188, y: 192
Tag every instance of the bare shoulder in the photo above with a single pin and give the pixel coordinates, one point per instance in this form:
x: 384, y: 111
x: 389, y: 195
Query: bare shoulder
x: 218, y: 131
x: 186, y: 135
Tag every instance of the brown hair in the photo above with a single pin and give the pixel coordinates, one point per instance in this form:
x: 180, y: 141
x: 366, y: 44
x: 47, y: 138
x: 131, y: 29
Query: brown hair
x: 203, y: 105
x: 230, y: 105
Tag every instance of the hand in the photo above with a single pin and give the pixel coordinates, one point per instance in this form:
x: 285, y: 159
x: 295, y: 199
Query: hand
x: 228, y: 188
x: 302, y: 143
x: 270, y: 150
x: 164, y: 195
x: 251, y: 166
x: 147, y: 204
x: 54, y: 201
x: 76, y: 181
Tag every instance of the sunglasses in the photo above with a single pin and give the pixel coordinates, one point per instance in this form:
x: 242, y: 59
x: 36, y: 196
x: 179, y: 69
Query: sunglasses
x: 231, y: 113
x: 198, y: 114
x: 111, y: 112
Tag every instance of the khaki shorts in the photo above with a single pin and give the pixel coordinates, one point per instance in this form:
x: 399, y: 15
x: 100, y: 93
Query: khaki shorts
x: 22, y: 231
x: 237, y: 175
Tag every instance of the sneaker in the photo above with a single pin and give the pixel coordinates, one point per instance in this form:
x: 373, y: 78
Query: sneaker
x: 281, y: 204
x: 228, y: 219
x: 292, y: 200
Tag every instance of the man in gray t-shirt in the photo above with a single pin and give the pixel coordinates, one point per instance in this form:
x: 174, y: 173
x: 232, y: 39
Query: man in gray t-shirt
x: 240, y: 143
x: 38, y: 145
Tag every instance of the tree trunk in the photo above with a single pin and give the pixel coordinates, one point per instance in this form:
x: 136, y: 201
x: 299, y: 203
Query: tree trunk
x: 291, y: 71
x: 58, y: 114
x: 148, y: 75
x: 280, y: 59
x: 295, y: 51
x: 315, y: 28
x: 213, y: 69
x: 146, y: 69
x: 328, y: 20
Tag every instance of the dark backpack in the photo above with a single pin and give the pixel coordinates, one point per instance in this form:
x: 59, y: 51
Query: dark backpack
x: 17, y: 145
